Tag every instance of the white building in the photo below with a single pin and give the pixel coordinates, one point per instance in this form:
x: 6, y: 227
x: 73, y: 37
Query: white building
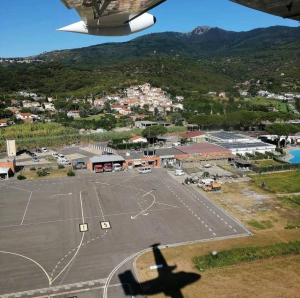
x: 243, y: 148
x: 74, y: 114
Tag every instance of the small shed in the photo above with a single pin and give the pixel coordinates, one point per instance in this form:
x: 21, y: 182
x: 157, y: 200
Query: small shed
x: 5, y: 173
x: 240, y: 163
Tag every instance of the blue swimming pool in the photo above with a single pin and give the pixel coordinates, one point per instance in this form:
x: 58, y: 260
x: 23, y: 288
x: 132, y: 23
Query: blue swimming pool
x: 296, y: 158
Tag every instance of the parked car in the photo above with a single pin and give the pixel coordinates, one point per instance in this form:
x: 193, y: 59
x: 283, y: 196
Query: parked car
x: 176, y: 144
x: 33, y: 155
x: 145, y: 170
x: 61, y: 156
x: 35, y: 159
x: 54, y: 154
x: 207, y: 165
x: 107, y: 167
x: 38, y: 151
x: 63, y: 161
x: 204, y: 182
x: 179, y: 173
x: 44, y: 150
x: 98, y: 169
x: 117, y: 167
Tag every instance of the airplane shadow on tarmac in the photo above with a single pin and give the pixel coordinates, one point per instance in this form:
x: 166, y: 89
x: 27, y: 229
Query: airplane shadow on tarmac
x: 167, y: 282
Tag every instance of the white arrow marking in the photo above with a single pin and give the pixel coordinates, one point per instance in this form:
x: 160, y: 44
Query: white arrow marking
x: 143, y: 211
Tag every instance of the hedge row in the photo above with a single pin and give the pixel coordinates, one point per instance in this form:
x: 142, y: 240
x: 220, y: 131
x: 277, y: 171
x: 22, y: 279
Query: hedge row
x: 247, y: 254
x: 76, y: 138
x: 282, y: 167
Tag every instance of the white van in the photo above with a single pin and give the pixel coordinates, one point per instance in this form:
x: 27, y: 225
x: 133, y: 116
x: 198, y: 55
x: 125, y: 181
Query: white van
x: 179, y: 173
x: 205, y: 182
x: 145, y: 170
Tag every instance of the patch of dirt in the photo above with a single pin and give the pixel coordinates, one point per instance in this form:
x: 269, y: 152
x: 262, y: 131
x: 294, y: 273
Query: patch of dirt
x: 274, y: 278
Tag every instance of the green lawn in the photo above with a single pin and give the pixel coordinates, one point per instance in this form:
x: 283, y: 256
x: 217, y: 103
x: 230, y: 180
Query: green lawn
x: 93, y: 117
x: 282, y: 107
x: 266, y: 163
x: 284, y: 182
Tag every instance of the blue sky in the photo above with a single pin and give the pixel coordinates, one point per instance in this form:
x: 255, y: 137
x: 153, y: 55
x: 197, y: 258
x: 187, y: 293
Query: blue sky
x: 27, y: 26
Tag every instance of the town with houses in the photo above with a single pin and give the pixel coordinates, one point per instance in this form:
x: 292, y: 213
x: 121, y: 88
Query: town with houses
x: 154, y: 99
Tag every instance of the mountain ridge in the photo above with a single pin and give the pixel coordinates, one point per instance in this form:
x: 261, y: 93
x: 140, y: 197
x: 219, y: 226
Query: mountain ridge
x: 199, y: 43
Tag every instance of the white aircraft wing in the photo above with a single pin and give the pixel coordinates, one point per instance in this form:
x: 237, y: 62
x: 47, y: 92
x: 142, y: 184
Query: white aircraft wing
x: 288, y: 9
x: 103, y: 17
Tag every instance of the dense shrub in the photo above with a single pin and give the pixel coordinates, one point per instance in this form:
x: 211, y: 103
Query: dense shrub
x: 71, y: 173
x: 21, y: 177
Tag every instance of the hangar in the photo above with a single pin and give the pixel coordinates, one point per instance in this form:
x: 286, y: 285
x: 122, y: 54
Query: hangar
x: 106, y: 159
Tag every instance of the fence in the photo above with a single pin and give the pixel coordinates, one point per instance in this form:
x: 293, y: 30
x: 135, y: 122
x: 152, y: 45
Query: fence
x: 102, y: 149
x: 275, y: 168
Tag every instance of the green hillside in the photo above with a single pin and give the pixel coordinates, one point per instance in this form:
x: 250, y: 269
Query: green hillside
x: 201, y: 60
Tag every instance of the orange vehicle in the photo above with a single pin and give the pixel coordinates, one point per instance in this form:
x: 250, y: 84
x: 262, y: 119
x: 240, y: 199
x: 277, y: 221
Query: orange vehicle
x: 99, y: 169
x: 212, y: 187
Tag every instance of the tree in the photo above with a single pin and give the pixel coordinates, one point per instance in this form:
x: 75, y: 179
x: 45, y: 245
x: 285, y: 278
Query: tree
x: 146, y: 108
x: 153, y: 131
x: 107, y: 107
x: 282, y: 129
x: 175, y: 118
x: 83, y: 112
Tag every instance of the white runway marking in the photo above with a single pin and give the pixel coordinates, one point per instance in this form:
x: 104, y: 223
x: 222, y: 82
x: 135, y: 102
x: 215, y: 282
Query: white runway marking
x: 78, y: 248
x: 11, y: 253
x: 143, y: 211
x: 168, y: 205
x: 26, y: 208
x: 67, y: 194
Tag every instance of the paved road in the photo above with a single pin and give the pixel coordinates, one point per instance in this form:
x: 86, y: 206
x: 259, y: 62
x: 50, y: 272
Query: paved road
x: 39, y: 227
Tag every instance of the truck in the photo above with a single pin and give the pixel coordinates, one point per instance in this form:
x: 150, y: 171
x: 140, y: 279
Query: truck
x: 212, y: 187
x: 79, y: 164
x: 107, y: 167
x: 98, y: 169
x: 191, y: 180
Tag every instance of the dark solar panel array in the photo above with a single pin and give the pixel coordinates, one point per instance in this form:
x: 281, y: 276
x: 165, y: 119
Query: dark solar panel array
x: 226, y: 135
x: 242, y: 145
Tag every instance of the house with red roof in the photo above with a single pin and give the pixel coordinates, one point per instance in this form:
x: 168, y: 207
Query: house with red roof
x: 194, y: 136
x: 138, y: 139
x: 3, y: 123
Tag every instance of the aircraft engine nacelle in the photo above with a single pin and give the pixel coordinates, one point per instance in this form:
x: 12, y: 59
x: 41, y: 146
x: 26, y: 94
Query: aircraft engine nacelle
x: 140, y: 23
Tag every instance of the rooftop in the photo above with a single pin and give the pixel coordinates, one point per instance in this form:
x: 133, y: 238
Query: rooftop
x: 237, y: 145
x: 192, y: 134
x: 202, y: 149
x: 168, y: 152
x: 106, y: 158
x: 226, y: 136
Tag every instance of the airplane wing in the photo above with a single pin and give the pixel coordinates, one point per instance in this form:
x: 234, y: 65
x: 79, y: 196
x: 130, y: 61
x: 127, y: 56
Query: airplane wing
x: 288, y: 9
x: 160, y: 261
x: 99, y: 14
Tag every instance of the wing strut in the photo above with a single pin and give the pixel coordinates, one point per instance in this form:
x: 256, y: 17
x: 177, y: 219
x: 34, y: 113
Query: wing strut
x: 100, y: 7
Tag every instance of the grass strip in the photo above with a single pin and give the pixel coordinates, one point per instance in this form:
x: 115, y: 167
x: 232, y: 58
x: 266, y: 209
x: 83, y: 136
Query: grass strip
x: 247, y: 254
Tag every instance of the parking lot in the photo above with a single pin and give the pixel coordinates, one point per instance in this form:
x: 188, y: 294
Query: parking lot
x: 41, y: 242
